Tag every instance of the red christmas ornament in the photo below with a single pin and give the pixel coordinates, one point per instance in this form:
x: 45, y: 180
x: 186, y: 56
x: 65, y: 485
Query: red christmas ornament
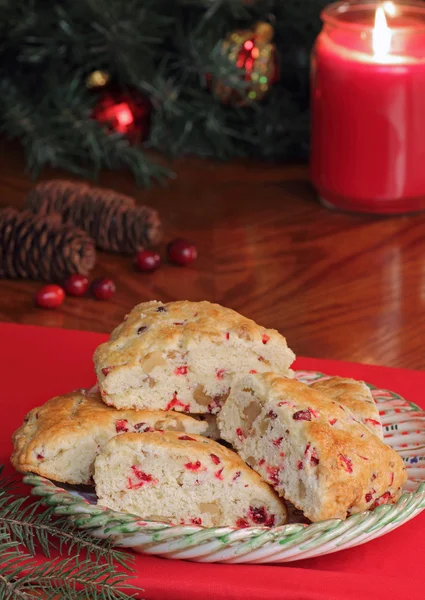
x: 76, y: 285
x: 181, y: 252
x: 103, y: 289
x: 127, y: 112
x: 148, y: 260
x: 50, y: 296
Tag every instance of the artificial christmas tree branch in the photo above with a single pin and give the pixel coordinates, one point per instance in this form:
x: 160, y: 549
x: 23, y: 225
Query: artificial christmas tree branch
x: 169, y: 51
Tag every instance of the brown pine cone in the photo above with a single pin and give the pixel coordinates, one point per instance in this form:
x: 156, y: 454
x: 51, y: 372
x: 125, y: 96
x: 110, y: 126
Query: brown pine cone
x: 113, y: 220
x: 41, y: 247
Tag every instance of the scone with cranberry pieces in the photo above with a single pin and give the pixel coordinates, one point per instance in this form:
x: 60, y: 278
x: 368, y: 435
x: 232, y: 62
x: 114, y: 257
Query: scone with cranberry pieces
x: 184, y: 356
x: 357, y: 397
x: 61, y: 439
x: 183, y: 479
x: 312, y: 450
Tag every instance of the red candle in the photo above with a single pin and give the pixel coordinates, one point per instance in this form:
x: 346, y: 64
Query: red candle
x: 368, y: 107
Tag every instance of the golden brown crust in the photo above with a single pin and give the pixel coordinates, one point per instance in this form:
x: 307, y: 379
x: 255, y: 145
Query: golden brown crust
x: 345, y: 467
x: 76, y: 420
x: 356, y: 396
x: 185, y: 348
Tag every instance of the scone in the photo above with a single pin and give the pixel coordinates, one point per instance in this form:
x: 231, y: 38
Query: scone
x: 310, y: 448
x: 184, y: 356
x: 183, y: 479
x: 356, y: 396
x: 61, y: 439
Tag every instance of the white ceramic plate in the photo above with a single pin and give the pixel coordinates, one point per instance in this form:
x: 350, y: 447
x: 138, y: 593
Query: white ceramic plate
x: 404, y: 427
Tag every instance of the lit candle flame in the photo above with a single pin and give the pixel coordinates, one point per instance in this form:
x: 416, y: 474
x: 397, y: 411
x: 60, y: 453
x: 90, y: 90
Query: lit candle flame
x: 381, y: 35
x: 390, y: 8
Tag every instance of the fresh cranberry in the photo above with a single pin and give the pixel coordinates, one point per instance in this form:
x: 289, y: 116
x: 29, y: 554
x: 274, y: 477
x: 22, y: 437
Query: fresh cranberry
x: 148, y: 260
x: 50, y: 296
x: 76, y: 285
x: 181, y: 252
x: 103, y: 289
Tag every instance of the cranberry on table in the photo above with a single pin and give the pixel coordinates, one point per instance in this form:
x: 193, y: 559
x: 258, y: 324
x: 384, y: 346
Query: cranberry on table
x: 50, y: 296
x: 148, y: 260
x: 103, y: 289
x: 76, y: 285
x: 181, y: 252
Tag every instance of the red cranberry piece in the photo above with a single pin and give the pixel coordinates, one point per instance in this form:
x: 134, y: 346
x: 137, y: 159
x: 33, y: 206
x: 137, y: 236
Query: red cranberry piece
x: 242, y: 523
x: 277, y: 441
x: 384, y: 499
x: 300, y: 465
x: 258, y: 514
x: 236, y: 475
x: 240, y: 434
x: 148, y: 260
x: 261, y: 461
x: 227, y: 335
x: 103, y: 289
x: 368, y: 497
x: 186, y: 437
x: 220, y: 374
x: 348, y: 465
x: 193, y: 466
x: 196, y: 521
x: 253, y: 371
x: 265, y: 338
x: 273, y: 473
x: 40, y: 456
x: 392, y: 478
x: 50, y: 296
x: 181, y: 252
x: 218, y: 474
x: 216, y: 460
x: 121, y: 426
x: 143, y: 427
x: 106, y: 370
x: 271, y: 414
x: 76, y: 285
x: 180, y: 371
x: 302, y: 415
x: 176, y: 402
x: 332, y: 421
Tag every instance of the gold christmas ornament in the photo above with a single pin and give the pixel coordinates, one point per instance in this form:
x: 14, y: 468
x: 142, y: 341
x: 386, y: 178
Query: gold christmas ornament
x: 97, y: 79
x: 252, y: 51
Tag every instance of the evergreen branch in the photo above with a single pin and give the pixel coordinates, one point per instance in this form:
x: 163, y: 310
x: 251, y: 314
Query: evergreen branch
x: 88, y: 571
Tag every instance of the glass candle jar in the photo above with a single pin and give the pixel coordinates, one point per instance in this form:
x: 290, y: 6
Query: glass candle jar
x: 368, y: 107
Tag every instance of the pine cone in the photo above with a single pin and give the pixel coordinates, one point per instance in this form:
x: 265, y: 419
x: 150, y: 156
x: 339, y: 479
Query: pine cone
x: 113, y: 220
x: 41, y: 247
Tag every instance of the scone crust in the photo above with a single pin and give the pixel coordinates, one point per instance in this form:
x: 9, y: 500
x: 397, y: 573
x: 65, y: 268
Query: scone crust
x: 346, y: 461
x: 129, y: 366
x: 356, y: 396
x: 80, y: 420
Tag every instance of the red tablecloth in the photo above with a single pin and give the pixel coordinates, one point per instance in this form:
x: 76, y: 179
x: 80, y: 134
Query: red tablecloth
x: 38, y: 363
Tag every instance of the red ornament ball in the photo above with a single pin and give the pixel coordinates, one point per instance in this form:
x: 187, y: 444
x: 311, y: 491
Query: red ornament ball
x: 76, y: 285
x: 181, y: 252
x: 103, y: 289
x: 50, y: 296
x: 148, y: 260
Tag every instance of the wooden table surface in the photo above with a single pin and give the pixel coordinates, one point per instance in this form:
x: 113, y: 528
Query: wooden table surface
x: 336, y: 285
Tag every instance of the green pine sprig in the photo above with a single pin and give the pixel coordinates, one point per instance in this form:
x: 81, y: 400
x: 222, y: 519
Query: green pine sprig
x: 88, y: 567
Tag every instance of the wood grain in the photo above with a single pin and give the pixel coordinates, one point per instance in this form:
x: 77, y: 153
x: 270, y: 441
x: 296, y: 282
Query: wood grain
x: 336, y: 285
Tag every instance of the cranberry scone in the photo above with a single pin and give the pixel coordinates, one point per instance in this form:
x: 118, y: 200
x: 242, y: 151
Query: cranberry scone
x: 310, y: 448
x: 184, y: 356
x: 183, y: 479
x: 60, y: 440
x: 356, y: 396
